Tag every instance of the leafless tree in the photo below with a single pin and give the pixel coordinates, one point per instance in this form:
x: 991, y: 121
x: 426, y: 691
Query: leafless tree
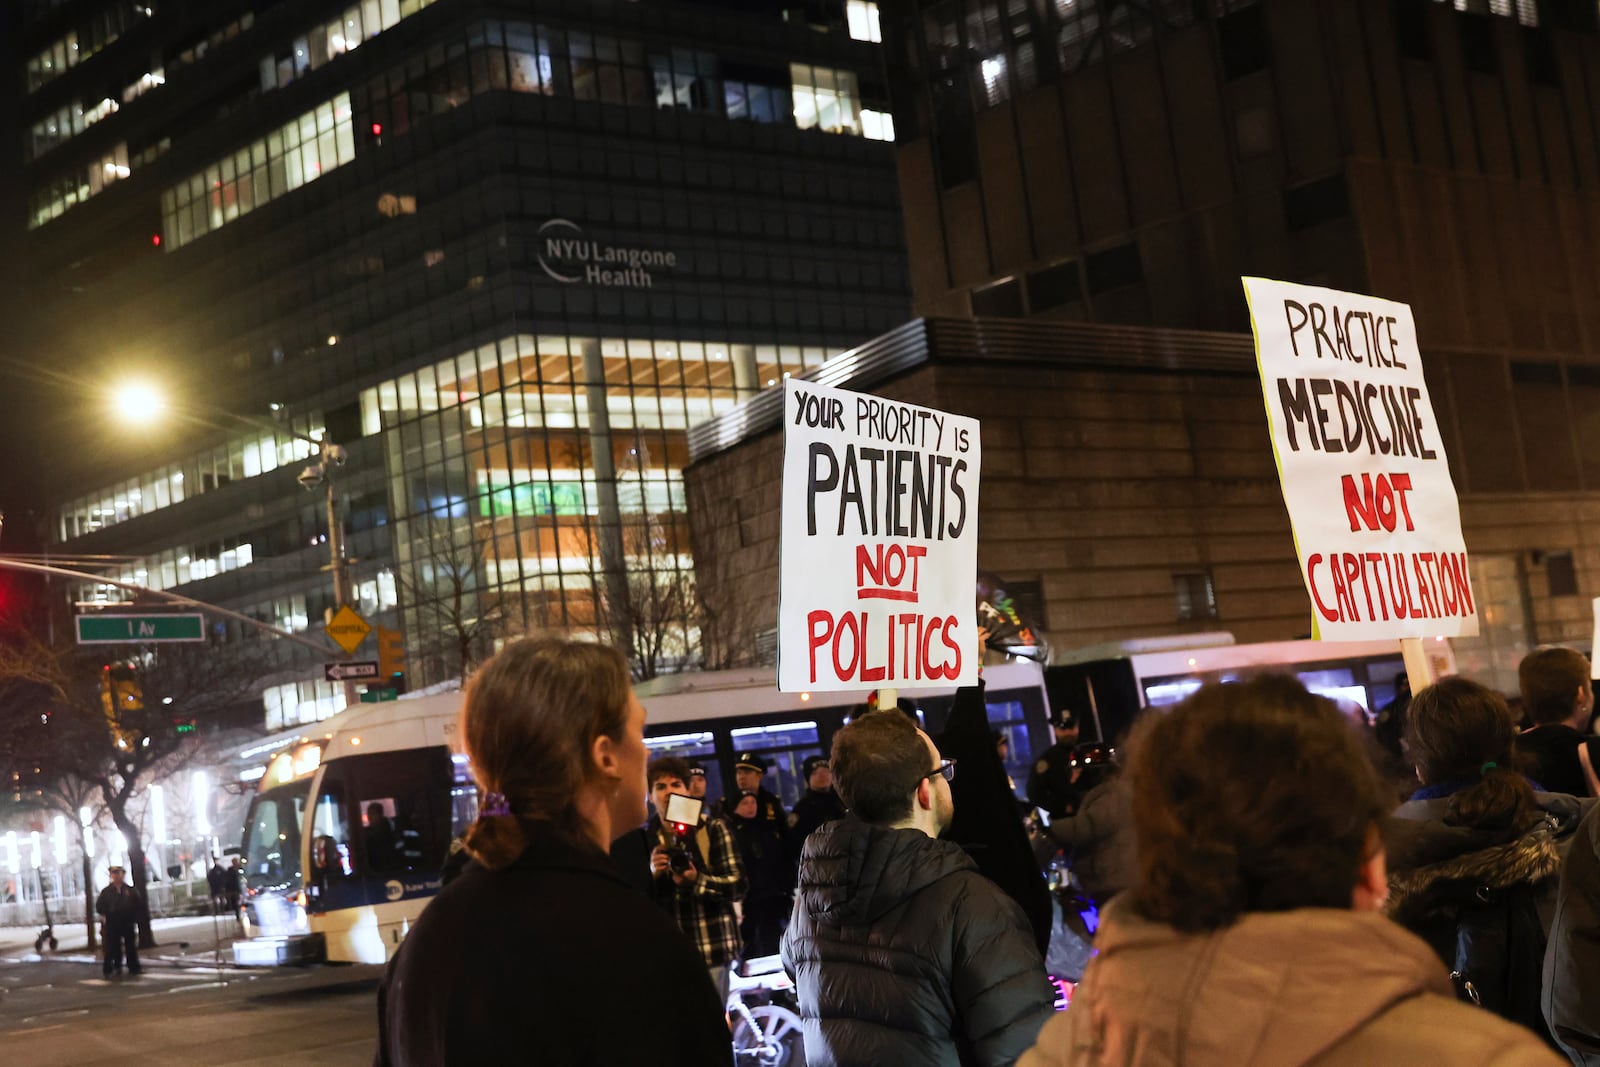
x: 453, y: 612
x: 112, y: 727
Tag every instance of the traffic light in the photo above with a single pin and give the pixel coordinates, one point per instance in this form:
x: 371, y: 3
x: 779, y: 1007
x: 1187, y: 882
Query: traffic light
x: 391, y: 660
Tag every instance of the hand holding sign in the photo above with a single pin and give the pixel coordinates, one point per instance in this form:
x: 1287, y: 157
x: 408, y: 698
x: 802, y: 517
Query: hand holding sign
x: 879, y: 543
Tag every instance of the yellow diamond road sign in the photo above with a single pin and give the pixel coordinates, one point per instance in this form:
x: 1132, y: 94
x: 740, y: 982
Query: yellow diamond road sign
x: 348, y: 629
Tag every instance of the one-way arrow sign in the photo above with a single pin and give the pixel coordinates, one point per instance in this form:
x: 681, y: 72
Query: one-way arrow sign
x: 348, y: 672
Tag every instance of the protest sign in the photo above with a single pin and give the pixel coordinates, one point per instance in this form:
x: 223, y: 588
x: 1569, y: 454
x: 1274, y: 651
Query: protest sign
x: 880, y: 543
x: 1377, y: 527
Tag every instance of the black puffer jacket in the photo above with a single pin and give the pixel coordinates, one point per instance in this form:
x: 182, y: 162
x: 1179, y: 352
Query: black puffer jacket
x: 1482, y: 898
x: 904, y: 953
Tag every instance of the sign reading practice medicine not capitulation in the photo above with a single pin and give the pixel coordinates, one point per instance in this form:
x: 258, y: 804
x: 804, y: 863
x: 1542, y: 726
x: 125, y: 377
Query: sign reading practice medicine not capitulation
x: 1361, y: 459
x: 880, y: 543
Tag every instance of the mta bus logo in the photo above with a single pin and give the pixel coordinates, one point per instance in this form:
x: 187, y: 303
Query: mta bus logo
x: 393, y: 889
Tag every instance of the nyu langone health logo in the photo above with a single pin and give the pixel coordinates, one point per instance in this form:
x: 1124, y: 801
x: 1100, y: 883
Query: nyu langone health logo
x: 573, y: 259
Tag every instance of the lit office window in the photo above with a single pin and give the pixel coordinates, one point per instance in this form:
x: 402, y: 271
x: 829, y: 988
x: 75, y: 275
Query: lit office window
x: 53, y: 198
x: 877, y: 125
x: 824, y: 99
x: 863, y: 19
x: 297, y: 153
x: 331, y: 39
x: 1524, y: 11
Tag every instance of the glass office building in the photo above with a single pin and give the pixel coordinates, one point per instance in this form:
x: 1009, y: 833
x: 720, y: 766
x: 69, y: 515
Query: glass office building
x: 506, y: 254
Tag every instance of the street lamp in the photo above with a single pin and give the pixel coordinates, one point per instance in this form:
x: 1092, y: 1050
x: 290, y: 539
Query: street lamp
x: 141, y: 404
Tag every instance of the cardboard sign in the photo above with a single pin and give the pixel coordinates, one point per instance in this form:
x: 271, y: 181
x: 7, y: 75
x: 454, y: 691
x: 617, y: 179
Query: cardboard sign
x: 880, y: 543
x: 1361, y: 459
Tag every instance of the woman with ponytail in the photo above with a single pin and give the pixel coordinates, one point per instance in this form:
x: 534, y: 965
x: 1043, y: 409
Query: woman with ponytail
x: 1474, y: 855
x: 538, y: 952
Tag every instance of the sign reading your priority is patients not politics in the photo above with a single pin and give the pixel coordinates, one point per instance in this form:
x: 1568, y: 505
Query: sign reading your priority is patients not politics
x: 880, y: 543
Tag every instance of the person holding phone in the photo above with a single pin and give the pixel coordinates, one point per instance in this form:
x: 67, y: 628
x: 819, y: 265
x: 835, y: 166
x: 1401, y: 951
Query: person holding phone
x: 694, y: 866
x: 529, y: 953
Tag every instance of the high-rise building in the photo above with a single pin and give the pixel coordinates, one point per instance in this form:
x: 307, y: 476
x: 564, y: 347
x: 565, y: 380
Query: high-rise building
x: 1084, y: 183
x: 503, y: 254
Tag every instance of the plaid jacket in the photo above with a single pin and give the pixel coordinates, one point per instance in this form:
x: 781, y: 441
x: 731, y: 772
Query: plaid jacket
x: 703, y: 909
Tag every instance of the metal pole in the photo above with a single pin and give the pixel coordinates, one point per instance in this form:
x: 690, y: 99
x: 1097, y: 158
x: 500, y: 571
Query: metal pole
x: 159, y: 594
x: 341, y: 580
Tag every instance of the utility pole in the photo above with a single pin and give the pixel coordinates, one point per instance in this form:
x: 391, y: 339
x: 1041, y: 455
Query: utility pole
x: 331, y: 457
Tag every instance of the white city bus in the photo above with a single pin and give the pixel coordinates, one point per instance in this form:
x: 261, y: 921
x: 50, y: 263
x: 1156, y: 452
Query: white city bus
x: 351, y: 825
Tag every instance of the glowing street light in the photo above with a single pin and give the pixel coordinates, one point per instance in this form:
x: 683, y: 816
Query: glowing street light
x: 139, y: 403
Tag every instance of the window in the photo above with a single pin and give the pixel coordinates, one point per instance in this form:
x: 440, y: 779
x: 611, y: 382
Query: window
x: 1003, y: 299
x: 1243, y: 39
x: 862, y: 17
x: 1477, y: 45
x: 1053, y: 287
x: 1114, y: 268
x: 824, y: 99
x: 293, y: 155
x: 1309, y: 205
x: 877, y: 125
x: 696, y: 746
x: 1411, y: 29
x: 785, y: 747
x: 1524, y: 11
x: 1562, y: 574
x: 1196, y: 595
x: 756, y: 93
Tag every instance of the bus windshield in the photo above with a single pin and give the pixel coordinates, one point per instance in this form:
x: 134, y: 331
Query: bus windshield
x: 272, y: 835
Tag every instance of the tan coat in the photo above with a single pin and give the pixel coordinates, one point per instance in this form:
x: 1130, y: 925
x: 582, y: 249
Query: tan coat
x: 1314, y: 986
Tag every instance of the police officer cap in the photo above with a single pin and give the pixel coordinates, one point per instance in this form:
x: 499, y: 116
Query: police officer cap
x: 812, y: 763
x: 751, y: 761
x: 696, y: 769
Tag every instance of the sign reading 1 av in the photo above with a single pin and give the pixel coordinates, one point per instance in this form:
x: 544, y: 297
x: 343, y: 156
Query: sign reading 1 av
x: 139, y: 629
x: 571, y: 257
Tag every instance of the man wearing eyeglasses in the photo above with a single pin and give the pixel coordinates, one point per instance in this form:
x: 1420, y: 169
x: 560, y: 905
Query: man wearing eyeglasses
x: 901, y: 951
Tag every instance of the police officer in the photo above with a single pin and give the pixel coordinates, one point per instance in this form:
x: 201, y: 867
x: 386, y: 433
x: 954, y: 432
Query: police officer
x: 749, y: 772
x: 820, y: 803
x: 118, y: 908
x: 1053, y: 783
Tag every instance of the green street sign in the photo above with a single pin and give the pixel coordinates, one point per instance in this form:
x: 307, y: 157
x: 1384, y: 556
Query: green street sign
x: 378, y: 696
x: 139, y: 629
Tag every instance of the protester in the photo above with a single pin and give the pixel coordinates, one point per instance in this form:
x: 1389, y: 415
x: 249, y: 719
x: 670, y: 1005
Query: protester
x: 1571, y: 994
x: 1474, y: 854
x: 697, y: 878
x: 820, y: 803
x: 538, y: 949
x: 769, y: 872
x: 216, y: 884
x: 1557, y: 751
x: 118, y: 908
x: 233, y: 889
x: 902, y: 953
x: 1254, y: 935
x: 1100, y: 840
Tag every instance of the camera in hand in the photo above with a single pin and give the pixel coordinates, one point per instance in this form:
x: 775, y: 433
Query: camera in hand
x: 682, y: 817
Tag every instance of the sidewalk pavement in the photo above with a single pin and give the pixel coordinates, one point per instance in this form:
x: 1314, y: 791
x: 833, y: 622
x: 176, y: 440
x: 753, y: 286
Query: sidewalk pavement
x: 188, y: 941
